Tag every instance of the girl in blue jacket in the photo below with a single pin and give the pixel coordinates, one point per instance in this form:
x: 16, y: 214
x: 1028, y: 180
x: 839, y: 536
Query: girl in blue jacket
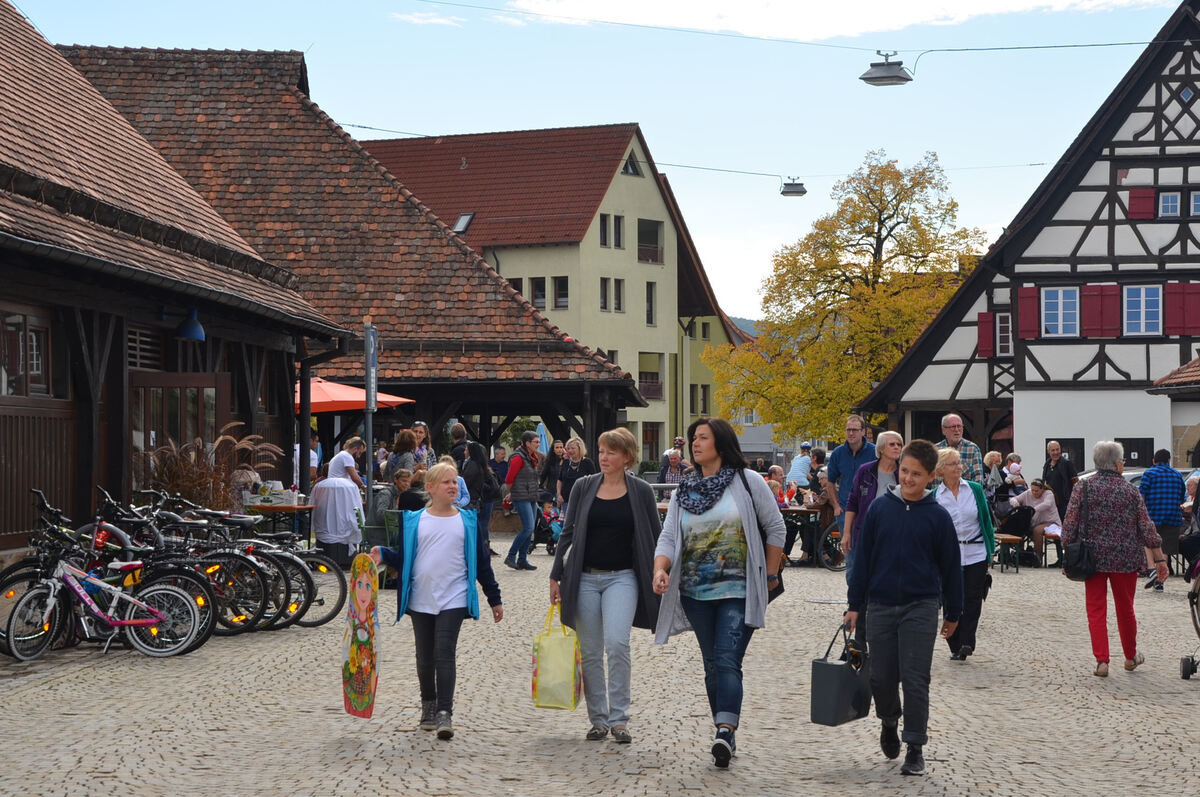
x: 440, y: 556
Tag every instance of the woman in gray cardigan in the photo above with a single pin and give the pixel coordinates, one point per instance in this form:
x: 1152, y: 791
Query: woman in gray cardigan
x: 711, y: 567
x: 601, y: 574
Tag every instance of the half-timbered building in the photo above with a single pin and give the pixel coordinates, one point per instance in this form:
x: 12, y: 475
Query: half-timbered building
x: 131, y: 312
x: 1091, y: 293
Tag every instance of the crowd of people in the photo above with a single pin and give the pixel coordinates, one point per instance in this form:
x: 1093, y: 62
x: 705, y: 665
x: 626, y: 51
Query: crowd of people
x: 918, y: 525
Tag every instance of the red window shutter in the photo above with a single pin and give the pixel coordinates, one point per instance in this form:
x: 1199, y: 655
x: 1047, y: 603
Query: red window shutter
x: 1174, y: 313
x: 1141, y: 203
x: 1091, y: 311
x: 1110, y: 305
x: 1191, y: 308
x: 987, y: 334
x: 1029, y: 314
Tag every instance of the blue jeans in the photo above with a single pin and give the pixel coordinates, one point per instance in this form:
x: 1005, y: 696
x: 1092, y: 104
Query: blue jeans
x: 723, y: 635
x: 520, y: 547
x: 603, y: 617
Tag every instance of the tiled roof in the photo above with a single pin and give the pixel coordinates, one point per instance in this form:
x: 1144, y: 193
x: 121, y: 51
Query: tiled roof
x: 524, y: 187
x: 240, y: 128
x: 1185, y: 376
x: 75, y: 177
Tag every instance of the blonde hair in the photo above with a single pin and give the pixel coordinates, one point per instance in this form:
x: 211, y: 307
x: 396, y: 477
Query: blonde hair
x: 353, y: 442
x: 992, y: 458
x: 622, y: 441
x: 944, y: 457
x: 446, y: 459
x: 578, y: 442
x: 439, y: 473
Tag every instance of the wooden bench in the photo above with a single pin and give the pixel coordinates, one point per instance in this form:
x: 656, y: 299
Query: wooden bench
x: 1009, y: 544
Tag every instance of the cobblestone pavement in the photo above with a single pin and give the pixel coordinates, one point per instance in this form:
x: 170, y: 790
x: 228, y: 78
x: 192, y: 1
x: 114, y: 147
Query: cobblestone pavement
x: 263, y: 713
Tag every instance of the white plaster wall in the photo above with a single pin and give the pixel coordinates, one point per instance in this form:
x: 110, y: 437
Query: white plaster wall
x: 976, y: 383
x: 1134, y: 123
x: 935, y: 383
x: 1054, y: 242
x: 1097, y: 175
x: 1079, y: 206
x: 1091, y: 414
x: 961, y: 343
x: 1164, y: 358
x: 1060, y: 362
x: 1130, y: 359
x: 1185, y: 413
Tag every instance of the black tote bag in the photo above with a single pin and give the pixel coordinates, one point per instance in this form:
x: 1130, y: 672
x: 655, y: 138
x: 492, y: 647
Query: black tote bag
x: 841, y: 690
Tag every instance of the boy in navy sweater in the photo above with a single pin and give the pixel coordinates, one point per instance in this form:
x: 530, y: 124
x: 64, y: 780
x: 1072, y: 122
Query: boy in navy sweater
x: 907, y: 562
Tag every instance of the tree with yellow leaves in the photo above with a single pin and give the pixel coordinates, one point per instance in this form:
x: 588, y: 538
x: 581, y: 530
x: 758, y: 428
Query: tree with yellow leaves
x: 845, y: 302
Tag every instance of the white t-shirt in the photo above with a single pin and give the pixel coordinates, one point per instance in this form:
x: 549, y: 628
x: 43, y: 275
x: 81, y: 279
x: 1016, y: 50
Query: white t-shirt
x: 439, y: 579
x: 341, y: 465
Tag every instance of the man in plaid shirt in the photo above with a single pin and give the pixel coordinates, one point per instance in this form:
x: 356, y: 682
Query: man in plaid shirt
x: 1164, y: 492
x: 968, y: 452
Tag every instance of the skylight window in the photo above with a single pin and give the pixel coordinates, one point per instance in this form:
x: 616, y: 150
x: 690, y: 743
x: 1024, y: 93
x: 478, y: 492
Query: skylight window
x: 464, y: 221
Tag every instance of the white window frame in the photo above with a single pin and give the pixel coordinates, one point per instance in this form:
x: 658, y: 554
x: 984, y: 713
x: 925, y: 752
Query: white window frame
x: 1195, y: 204
x: 1004, y: 338
x: 1133, y: 309
x: 1060, y: 294
x: 1169, y: 197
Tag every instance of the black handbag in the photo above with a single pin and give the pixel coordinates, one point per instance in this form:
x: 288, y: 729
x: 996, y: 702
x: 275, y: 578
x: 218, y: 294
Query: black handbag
x: 1079, y: 557
x: 841, y: 690
x: 777, y: 590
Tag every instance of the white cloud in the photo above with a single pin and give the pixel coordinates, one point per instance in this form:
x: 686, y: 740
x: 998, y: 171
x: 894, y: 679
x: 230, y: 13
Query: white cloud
x: 807, y: 21
x: 516, y: 22
x: 429, y: 18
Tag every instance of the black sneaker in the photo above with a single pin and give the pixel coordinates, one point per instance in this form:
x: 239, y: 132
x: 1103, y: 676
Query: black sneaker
x: 722, y: 748
x: 428, y: 715
x: 445, y: 730
x: 914, y: 762
x: 1152, y: 581
x: 965, y: 650
x: 526, y: 566
x: 510, y: 562
x: 889, y: 741
x: 1158, y: 587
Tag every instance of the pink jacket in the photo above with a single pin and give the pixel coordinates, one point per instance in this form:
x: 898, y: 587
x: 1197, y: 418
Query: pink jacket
x: 1044, y: 508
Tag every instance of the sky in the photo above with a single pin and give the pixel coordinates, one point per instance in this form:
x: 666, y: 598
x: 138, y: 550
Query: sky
x: 732, y: 97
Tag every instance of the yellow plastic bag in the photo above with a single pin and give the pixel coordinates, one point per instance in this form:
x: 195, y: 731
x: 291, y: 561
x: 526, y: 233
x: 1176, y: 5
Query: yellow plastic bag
x: 557, y: 669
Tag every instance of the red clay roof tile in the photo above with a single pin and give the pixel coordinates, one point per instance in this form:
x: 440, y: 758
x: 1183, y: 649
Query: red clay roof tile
x: 76, y: 175
x: 306, y: 194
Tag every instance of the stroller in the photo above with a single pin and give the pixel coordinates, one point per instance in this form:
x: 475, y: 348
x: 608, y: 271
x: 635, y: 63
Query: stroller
x: 546, y: 531
x: 1189, y: 549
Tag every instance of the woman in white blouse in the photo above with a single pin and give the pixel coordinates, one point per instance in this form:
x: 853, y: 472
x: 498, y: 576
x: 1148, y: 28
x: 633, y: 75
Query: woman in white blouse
x: 968, y: 508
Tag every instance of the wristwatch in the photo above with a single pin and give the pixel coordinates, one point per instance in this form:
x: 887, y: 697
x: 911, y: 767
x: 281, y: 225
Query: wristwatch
x: 773, y: 577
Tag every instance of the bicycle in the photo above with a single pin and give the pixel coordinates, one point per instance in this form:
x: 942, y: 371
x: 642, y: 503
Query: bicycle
x: 162, y: 620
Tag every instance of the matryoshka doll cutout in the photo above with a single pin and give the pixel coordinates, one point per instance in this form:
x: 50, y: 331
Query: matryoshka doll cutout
x: 359, y: 652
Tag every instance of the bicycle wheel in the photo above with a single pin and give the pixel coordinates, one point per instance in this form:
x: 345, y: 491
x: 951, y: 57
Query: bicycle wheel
x: 14, y: 583
x: 302, y: 589
x: 279, y: 590
x: 330, y: 584
x: 169, y: 636
x: 240, y: 588
x: 33, y: 624
x: 829, y: 549
x: 201, y: 593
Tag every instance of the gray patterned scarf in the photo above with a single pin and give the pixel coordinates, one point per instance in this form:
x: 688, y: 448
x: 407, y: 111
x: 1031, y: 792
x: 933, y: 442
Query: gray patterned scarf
x: 697, y: 493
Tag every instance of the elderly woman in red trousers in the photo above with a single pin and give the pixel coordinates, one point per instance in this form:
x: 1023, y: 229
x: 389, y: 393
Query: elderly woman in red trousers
x: 1110, y: 512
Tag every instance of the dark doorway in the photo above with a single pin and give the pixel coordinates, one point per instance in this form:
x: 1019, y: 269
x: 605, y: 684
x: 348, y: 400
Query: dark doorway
x: 1139, y: 451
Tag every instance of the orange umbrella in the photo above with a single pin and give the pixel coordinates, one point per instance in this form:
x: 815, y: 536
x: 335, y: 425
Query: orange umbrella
x: 335, y: 397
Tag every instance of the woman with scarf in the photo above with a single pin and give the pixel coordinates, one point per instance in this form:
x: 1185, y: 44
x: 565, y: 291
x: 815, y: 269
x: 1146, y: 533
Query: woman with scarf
x: 711, y: 567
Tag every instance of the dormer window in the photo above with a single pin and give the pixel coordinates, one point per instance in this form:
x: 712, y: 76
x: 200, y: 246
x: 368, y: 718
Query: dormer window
x: 631, y: 166
x: 464, y: 221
